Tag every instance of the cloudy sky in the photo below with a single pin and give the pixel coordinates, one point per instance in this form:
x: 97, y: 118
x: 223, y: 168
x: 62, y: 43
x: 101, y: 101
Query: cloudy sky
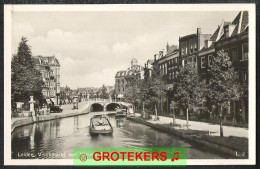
x: 93, y: 46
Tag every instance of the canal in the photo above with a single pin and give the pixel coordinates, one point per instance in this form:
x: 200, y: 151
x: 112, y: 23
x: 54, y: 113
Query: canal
x: 56, y: 139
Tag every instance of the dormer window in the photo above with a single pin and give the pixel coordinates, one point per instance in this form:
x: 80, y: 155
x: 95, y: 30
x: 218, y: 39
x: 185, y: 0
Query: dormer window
x: 228, y: 30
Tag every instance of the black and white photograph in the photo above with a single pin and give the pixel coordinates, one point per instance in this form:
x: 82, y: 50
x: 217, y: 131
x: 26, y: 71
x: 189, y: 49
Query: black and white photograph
x: 130, y: 76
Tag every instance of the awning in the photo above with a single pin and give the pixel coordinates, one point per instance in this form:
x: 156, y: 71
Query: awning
x: 120, y: 96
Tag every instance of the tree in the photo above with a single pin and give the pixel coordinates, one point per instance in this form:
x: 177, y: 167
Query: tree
x: 223, y: 85
x: 144, y: 95
x: 26, y: 81
x: 190, y: 89
x: 153, y: 91
x: 103, y: 94
x: 158, y: 89
x: 132, y: 91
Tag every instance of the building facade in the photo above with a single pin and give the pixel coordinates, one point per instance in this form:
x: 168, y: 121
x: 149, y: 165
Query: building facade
x: 234, y: 41
x: 123, y: 78
x: 49, y: 67
x: 169, y: 68
x: 190, y: 45
x: 232, y: 37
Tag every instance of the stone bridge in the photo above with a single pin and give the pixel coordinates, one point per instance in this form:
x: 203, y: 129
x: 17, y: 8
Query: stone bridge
x: 106, y: 106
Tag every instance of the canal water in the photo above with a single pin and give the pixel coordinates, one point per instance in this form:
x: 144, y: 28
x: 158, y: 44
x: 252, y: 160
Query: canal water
x: 56, y: 139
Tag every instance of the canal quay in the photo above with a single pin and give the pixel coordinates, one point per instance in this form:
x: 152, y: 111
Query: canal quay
x: 57, y: 137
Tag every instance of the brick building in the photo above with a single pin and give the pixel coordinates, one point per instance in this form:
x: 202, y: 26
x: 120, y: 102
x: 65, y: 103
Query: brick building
x: 123, y: 78
x: 190, y: 45
x: 232, y: 37
x: 169, y: 67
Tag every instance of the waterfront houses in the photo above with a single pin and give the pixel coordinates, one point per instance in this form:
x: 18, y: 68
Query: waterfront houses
x: 199, y: 48
x: 49, y: 67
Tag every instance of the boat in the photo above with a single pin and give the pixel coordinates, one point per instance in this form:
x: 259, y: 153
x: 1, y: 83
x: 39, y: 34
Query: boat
x: 99, y: 124
x: 120, y: 113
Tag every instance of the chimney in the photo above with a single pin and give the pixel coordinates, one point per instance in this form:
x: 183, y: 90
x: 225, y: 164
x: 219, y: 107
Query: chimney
x: 167, y: 47
x: 198, y: 31
x: 198, y: 36
x: 160, y: 54
x: 155, y: 57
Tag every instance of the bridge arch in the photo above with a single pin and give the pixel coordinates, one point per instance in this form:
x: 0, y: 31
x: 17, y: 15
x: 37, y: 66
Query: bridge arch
x: 111, y: 106
x: 96, y: 107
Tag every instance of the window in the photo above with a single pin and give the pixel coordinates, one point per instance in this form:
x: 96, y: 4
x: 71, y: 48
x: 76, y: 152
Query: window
x: 182, y: 51
x: 203, y: 64
x: 245, y: 51
x: 209, y: 60
x: 190, y: 60
x: 194, y: 59
x: 163, y: 69
x: 245, y: 78
x: 172, y: 75
x: 191, y: 46
x: 195, y: 47
x: 234, y: 54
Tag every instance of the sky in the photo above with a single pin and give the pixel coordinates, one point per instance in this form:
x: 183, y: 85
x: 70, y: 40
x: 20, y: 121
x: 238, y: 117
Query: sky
x: 92, y: 46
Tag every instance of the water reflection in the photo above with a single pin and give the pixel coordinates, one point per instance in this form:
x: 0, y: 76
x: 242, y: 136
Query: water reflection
x: 62, y: 135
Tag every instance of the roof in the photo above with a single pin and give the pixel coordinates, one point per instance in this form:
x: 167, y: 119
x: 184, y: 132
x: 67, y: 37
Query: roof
x: 219, y: 31
x: 120, y: 73
x: 149, y: 61
x: 187, y: 37
x: 240, y: 22
x: 39, y: 61
x: 171, y: 50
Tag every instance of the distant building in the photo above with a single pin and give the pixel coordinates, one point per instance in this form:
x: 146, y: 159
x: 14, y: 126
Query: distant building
x: 148, y: 69
x: 54, y: 74
x: 124, y: 77
x: 46, y: 72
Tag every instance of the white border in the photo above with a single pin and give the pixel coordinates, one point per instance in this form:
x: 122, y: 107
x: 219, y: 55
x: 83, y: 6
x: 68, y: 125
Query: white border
x: 147, y: 7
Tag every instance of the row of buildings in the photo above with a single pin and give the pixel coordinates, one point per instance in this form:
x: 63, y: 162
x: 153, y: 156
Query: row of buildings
x: 49, y: 68
x: 67, y: 94
x: 199, y: 48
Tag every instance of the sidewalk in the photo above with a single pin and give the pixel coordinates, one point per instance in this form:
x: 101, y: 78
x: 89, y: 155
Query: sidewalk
x: 234, y: 144
x: 67, y: 109
x: 202, y: 126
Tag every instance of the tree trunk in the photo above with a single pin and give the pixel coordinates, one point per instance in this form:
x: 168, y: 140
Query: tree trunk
x: 221, y: 126
x: 143, y: 111
x: 221, y: 129
x: 187, y: 120
x: 173, y: 121
x: 156, y: 116
x: 162, y: 107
